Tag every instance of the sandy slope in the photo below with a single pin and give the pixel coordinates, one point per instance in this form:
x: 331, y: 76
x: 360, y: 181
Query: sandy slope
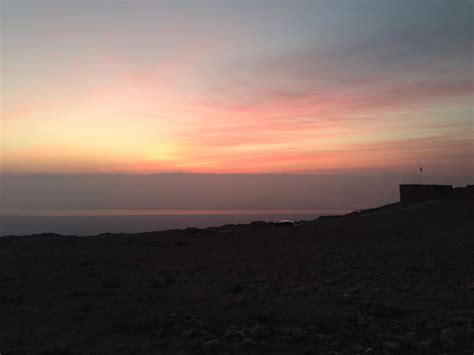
x: 392, y: 280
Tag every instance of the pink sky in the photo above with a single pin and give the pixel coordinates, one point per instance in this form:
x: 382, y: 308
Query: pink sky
x: 115, y: 89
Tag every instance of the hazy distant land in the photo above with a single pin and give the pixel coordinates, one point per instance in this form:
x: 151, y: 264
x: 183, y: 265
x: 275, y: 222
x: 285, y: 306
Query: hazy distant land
x: 90, y: 222
x: 86, y: 204
x: 179, y: 191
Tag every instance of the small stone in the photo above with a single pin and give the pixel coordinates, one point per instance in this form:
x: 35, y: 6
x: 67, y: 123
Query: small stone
x: 451, y: 336
x: 161, y: 343
x: 225, y: 305
x: 284, y: 330
x: 369, y: 351
x: 212, y: 345
x: 238, y: 349
x: 180, y: 243
x: 204, y: 335
x: 424, y: 347
x: 176, y: 329
x: 302, y: 291
x: 232, y: 334
x: 235, y: 287
x: 361, y: 320
x: 190, y: 333
x: 357, y: 348
x: 404, y: 340
x: 459, y: 319
x: 309, y: 350
x: 299, y: 333
x: 195, y: 322
x: 260, y: 330
x: 392, y: 346
x: 382, y: 309
x: 164, y: 278
x: 110, y: 284
x: 263, y: 316
x: 59, y: 350
x: 430, y: 325
x: 263, y: 346
x: 412, y: 335
x: 247, y: 341
x: 241, y: 301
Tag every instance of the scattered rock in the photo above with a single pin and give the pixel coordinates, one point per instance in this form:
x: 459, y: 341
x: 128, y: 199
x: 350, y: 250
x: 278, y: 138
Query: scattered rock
x: 239, y: 349
x: 232, y: 334
x: 451, y: 336
x: 235, y: 287
x: 302, y: 291
x: 403, y: 340
x: 164, y: 278
x: 247, y: 341
x: 192, y: 230
x: 458, y: 319
x: 357, y: 348
x: 190, y: 333
x: 195, y: 322
x: 163, y: 331
x: 162, y: 343
x: 424, y: 347
x: 392, y: 346
x: 206, y: 336
x: 262, y: 316
x: 110, y: 283
x: 283, y: 330
x: 299, y: 333
x: 412, y: 335
x: 361, y: 320
x: 430, y: 325
x: 259, y: 331
x: 141, y: 323
x: 180, y: 243
x: 84, y: 263
x: 58, y: 350
x: 224, y: 304
x: 212, y: 345
x: 241, y: 301
x: 382, y: 309
x: 310, y: 350
x: 292, y: 335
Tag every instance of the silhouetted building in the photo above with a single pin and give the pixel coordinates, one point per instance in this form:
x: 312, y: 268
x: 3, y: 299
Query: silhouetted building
x: 416, y: 193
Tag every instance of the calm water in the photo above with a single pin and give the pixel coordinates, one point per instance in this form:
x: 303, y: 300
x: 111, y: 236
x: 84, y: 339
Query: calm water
x: 89, y: 222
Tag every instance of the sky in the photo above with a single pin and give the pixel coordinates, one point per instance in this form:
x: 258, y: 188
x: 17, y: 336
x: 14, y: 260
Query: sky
x: 142, y: 87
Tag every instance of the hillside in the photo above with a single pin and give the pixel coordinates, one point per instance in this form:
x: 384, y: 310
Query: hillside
x: 398, y: 279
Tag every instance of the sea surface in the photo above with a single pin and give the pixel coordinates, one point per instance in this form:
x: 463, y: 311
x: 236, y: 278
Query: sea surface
x: 91, y: 222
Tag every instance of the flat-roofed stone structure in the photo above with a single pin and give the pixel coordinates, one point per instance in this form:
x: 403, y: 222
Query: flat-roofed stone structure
x: 417, y: 193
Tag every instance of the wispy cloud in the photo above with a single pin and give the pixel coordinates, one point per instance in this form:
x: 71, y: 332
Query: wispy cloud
x: 300, y: 87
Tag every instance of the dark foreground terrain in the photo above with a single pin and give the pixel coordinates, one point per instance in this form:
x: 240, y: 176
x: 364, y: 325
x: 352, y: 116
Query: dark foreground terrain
x: 394, y: 280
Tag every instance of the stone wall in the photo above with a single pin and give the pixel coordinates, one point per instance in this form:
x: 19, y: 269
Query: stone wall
x: 417, y: 193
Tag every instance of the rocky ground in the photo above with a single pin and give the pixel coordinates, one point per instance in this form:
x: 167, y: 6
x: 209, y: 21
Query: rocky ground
x: 395, y: 280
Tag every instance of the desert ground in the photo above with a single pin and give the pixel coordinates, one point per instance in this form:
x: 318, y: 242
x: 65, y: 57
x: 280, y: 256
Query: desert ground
x: 392, y: 280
